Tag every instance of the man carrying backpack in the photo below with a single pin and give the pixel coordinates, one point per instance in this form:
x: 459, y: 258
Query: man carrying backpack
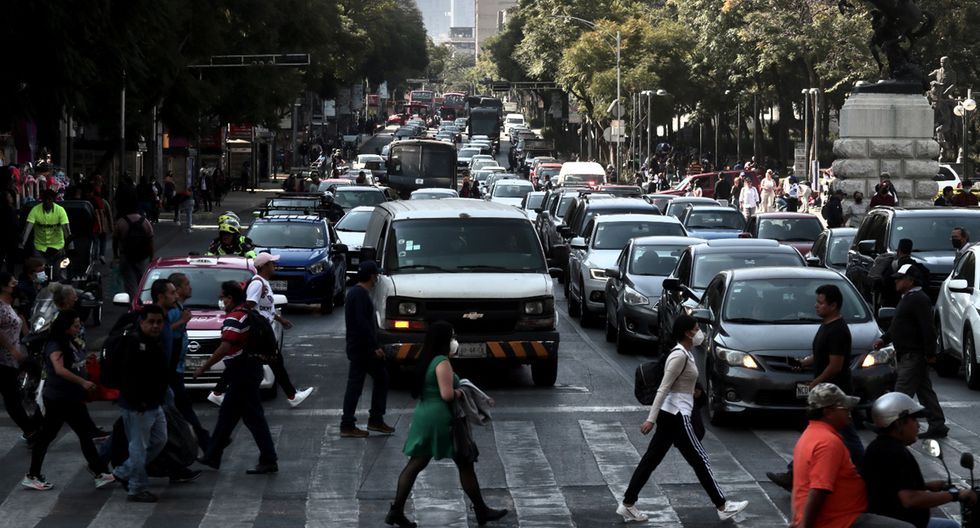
x: 132, y: 247
x: 244, y: 338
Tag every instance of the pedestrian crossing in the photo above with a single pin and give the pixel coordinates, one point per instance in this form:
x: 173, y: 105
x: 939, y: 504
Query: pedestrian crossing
x: 549, y: 471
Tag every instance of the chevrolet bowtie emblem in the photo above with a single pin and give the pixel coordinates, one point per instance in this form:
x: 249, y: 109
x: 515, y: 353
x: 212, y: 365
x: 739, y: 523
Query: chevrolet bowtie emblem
x: 473, y: 316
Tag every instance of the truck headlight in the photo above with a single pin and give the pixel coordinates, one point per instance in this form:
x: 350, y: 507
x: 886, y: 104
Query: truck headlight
x: 597, y: 273
x: 407, y: 308
x: 737, y: 358
x: 884, y: 356
x: 635, y: 298
x: 534, y: 308
x: 317, y: 267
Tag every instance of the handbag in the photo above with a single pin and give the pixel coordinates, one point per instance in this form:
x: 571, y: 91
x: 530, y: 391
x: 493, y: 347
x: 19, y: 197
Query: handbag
x: 101, y: 393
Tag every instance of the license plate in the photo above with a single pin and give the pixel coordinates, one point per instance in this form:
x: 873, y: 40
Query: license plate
x: 279, y: 285
x: 419, y: 181
x: 802, y: 390
x: 472, y: 350
x: 355, y: 260
x: 191, y: 363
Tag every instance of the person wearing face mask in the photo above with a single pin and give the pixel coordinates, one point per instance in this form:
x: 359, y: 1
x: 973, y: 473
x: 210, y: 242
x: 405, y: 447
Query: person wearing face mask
x: 830, y: 360
x: 855, y: 211
x: 430, y: 437
x: 671, y: 413
x: 960, y: 239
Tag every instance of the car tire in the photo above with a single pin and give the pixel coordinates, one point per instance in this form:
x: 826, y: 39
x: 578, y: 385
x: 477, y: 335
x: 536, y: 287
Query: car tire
x: 610, y: 329
x: 970, y: 361
x: 715, y: 415
x: 565, y: 284
x: 545, y: 373
x: 574, y: 307
x: 589, y: 318
x: 623, y: 344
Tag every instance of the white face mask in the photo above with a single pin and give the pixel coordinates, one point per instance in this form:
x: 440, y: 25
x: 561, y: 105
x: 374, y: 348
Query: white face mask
x: 453, y: 347
x: 698, y: 338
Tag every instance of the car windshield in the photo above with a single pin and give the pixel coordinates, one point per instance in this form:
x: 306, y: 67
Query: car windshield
x: 837, y: 254
x: 430, y: 196
x: 615, y: 235
x: 354, y: 221
x: 655, y: 260
x: 931, y: 233
x: 790, y: 229
x: 457, y: 245
x: 548, y: 171
x: 683, y: 184
x: 373, y: 165
x: 288, y: 235
x: 706, y: 266
x: 511, y: 190
x: 534, y: 201
x: 718, y: 219
x: 563, y: 205
x: 205, y: 282
x: 788, y: 301
x: 676, y: 207
x: 348, y: 198
x: 469, y: 152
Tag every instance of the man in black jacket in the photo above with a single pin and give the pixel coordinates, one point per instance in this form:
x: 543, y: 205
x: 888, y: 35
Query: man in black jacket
x: 365, y: 355
x: 914, y: 337
x: 143, y: 388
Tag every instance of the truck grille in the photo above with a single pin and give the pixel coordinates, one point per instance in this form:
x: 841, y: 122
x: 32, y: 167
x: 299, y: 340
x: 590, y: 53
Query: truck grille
x: 475, y: 316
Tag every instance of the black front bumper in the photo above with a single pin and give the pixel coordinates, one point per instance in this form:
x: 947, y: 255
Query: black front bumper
x: 517, y: 347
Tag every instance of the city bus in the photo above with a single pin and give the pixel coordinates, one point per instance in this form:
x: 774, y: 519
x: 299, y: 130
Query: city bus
x: 424, y: 97
x: 418, y: 163
x: 453, y: 105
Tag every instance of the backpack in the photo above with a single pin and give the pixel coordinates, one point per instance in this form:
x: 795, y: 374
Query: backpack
x: 648, y: 378
x: 262, y: 343
x: 114, y: 350
x: 137, y: 245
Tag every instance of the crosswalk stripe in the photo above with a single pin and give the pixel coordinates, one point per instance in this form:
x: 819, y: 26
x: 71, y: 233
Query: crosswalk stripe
x: 737, y: 480
x: 332, y: 496
x: 234, y: 504
x: 616, y: 457
x: 437, y: 496
x: 23, y: 507
x: 530, y: 480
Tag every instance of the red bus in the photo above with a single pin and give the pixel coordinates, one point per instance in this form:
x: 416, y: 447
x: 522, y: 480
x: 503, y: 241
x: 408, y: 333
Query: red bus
x: 453, y: 105
x: 422, y: 97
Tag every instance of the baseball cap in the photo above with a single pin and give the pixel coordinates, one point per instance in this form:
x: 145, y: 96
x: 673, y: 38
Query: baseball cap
x: 910, y: 271
x: 368, y: 267
x: 264, y: 258
x: 829, y: 395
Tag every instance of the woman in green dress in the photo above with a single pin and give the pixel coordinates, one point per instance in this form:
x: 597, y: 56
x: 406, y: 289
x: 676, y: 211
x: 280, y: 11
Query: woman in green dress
x: 430, y: 436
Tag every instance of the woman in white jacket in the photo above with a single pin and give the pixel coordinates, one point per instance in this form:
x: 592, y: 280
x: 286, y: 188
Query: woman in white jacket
x: 671, y: 413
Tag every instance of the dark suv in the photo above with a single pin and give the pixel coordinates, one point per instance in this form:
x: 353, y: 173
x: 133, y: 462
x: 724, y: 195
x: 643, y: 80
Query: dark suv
x: 929, y: 230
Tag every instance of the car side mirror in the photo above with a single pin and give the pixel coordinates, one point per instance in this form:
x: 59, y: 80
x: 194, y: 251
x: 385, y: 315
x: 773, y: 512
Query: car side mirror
x: 339, y: 248
x: 279, y: 299
x: 959, y: 286
x: 672, y: 284
x: 813, y: 262
x: 121, y: 299
x: 613, y: 273
x: 369, y: 253
x: 578, y: 243
x: 866, y: 247
x: 702, y: 315
x: 555, y: 273
x: 886, y: 313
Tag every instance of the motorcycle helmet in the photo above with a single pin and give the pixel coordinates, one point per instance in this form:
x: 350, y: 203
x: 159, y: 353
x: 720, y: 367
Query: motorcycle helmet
x: 328, y: 198
x: 230, y: 226
x: 891, y: 407
x: 228, y: 215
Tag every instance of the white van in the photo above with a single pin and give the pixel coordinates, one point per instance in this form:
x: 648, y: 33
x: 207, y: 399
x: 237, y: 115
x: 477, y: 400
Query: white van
x: 581, y: 174
x: 512, y: 120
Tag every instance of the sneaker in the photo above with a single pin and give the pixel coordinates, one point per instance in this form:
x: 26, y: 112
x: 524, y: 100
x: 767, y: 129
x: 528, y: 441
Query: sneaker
x: 216, y: 398
x: 353, y: 432
x: 36, y: 483
x: 300, y: 396
x: 263, y: 469
x: 630, y: 513
x: 783, y: 480
x: 381, y: 427
x: 100, y: 434
x: 731, y: 509
x: 185, y: 476
x: 104, y: 479
x: 143, y: 496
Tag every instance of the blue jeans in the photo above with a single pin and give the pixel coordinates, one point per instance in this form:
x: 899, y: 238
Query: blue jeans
x: 147, y: 435
x: 937, y: 522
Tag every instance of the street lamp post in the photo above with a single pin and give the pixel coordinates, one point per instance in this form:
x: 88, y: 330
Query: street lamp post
x: 806, y: 129
x: 965, y: 110
x: 738, y: 125
x: 649, y: 94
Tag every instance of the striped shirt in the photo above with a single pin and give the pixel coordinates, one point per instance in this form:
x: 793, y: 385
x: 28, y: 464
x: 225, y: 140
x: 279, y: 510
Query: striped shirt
x: 234, y: 331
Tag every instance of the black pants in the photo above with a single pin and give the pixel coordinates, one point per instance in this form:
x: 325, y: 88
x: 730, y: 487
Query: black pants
x: 75, y: 414
x: 242, y: 403
x: 184, y: 405
x: 913, y: 380
x: 360, y: 368
x: 278, y: 368
x: 206, y: 199
x: 10, y: 391
x: 674, y: 430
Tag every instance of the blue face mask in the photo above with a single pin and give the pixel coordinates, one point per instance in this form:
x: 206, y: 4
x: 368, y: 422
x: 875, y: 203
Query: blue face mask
x: 42, y: 276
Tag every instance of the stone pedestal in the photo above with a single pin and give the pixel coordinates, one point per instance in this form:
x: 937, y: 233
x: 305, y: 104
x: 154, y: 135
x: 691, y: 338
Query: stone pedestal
x: 891, y: 133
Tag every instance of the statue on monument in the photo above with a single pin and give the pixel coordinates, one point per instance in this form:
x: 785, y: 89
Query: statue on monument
x: 896, y: 25
x: 948, y: 125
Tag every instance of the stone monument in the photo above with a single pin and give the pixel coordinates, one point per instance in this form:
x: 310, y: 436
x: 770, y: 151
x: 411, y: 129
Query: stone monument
x: 889, y: 126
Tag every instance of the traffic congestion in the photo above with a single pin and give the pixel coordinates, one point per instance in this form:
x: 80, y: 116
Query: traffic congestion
x: 738, y: 298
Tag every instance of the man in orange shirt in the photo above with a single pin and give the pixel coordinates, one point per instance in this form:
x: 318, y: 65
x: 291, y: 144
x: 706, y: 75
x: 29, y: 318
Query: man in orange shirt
x: 828, y: 492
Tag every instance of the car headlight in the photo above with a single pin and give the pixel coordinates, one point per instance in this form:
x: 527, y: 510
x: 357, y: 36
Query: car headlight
x: 597, y: 273
x: 408, y: 308
x: 317, y: 267
x: 736, y: 358
x: 64, y: 263
x: 635, y: 298
x: 883, y: 356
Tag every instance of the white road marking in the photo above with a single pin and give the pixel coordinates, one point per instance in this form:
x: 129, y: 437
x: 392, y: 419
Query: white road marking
x: 232, y: 504
x: 332, y: 496
x: 23, y: 507
x: 537, y: 498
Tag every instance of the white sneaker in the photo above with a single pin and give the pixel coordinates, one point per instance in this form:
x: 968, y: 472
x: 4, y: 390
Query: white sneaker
x: 36, y: 483
x: 216, y: 398
x: 731, y: 509
x: 630, y: 513
x: 300, y: 396
x: 104, y: 479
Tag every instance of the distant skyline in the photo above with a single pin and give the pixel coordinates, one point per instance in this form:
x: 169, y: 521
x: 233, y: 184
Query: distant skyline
x: 440, y: 15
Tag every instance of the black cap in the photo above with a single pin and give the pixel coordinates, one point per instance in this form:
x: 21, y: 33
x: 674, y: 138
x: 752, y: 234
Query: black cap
x: 368, y: 267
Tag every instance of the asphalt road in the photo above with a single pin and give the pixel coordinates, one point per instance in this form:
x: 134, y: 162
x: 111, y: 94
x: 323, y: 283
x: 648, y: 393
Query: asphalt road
x: 555, y: 457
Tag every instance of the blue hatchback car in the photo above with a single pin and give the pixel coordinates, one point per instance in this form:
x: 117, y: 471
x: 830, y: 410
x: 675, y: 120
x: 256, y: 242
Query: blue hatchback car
x: 312, y: 264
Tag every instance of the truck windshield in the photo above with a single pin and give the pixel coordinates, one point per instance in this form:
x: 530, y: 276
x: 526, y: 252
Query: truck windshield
x: 460, y: 245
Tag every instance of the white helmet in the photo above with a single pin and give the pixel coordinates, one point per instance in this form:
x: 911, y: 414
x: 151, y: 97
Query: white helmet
x: 891, y: 407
